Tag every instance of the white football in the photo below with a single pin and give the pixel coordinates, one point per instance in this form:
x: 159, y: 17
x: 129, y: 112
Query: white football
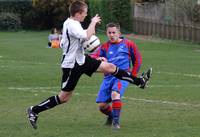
x: 91, y: 44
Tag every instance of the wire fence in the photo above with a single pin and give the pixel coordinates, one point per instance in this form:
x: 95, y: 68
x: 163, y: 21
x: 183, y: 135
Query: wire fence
x: 166, y: 30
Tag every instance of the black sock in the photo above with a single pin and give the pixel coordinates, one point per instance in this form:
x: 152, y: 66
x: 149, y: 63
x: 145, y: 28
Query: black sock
x: 47, y: 104
x: 124, y: 75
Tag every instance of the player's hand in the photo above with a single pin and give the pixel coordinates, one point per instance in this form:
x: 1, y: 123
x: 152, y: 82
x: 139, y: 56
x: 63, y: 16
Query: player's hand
x: 102, y: 59
x: 96, y: 19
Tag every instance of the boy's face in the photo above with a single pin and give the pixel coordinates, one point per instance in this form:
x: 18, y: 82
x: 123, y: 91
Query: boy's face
x: 83, y: 14
x: 113, y: 34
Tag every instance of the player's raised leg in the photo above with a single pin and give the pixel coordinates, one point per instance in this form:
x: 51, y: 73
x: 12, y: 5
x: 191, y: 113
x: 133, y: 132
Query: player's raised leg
x: 106, y: 67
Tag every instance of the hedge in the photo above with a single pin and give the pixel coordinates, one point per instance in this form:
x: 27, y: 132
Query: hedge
x: 46, y: 14
x: 9, y: 21
x: 119, y: 11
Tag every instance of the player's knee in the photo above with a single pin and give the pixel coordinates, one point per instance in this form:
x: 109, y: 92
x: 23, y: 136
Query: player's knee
x: 63, y: 100
x: 64, y: 96
x: 115, y: 95
x: 108, y: 67
x: 102, y: 105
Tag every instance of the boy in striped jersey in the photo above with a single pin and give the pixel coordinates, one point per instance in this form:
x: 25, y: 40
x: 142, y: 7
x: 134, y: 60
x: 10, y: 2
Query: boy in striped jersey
x: 75, y: 62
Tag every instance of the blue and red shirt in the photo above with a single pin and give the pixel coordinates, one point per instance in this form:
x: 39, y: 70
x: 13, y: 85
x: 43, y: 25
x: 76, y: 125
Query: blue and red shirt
x: 122, y: 54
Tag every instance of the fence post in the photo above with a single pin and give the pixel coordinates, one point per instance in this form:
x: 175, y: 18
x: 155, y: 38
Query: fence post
x: 162, y: 30
x: 167, y: 30
x: 153, y: 28
x: 195, y: 34
x: 171, y: 31
x: 190, y: 33
x: 198, y: 34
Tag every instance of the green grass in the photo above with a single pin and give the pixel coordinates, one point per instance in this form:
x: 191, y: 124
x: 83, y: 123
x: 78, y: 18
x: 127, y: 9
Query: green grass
x: 30, y: 72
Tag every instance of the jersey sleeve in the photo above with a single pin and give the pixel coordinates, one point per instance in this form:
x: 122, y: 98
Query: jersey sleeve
x: 136, y: 57
x: 100, y: 52
x: 96, y: 53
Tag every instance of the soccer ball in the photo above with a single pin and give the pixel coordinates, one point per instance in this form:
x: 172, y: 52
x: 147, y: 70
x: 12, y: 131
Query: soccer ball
x: 91, y: 44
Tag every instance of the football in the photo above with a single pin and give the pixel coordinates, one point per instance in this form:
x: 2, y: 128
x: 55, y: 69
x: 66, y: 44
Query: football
x: 91, y: 44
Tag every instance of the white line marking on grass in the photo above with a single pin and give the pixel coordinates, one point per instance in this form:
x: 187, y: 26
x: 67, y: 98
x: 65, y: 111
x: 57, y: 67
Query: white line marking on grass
x: 162, y: 102
x: 36, y: 90
x: 186, y: 75
x: 31, y: 88
x: 25, y: 62
x: 175, y: 86
x: 86, y: 87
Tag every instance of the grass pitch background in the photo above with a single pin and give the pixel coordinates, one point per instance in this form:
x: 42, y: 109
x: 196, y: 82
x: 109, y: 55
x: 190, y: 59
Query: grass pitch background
x: 30, y: 72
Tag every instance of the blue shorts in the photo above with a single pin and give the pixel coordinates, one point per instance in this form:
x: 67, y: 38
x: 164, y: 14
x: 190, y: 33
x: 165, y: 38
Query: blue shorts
x: 108, y: 85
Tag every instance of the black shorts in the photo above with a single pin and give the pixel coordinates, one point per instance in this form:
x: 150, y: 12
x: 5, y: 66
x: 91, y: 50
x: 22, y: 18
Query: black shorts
x: 71, y: 76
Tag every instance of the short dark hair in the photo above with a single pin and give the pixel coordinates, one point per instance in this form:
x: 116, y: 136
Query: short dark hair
x: 77, y: 7
x: 112, y: 24
x: 52, y: 30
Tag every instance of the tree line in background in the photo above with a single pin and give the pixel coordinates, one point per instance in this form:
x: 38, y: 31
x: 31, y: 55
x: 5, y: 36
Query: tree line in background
x: 32, y: 14
x: 119, y: 11
x: 46, y: 14
x: 13, y: 14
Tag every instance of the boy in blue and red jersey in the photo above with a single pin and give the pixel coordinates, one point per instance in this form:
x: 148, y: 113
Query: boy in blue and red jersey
x: 75, y: 63
x: 121, y: 52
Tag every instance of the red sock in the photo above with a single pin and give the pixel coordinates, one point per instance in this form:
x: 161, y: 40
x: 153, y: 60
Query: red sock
x: 116, y: 105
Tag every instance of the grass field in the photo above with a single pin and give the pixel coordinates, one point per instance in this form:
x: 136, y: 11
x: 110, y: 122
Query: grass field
x: 30, y: 72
